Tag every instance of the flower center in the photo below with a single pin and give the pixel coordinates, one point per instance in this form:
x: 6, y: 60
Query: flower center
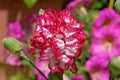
x: 106, y: 23
x: 109, y: 39
x: 94, y: 70
x: 109, y: 43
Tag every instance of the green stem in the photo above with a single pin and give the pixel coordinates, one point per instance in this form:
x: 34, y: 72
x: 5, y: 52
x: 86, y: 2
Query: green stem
x: 22, y: 54
x: 111, y: 76
x: 111, y: 4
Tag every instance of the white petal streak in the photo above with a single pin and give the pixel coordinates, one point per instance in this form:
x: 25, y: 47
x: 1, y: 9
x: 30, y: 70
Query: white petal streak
x: 71, y: 50
x: 60, y: 43
x: 71, y: 41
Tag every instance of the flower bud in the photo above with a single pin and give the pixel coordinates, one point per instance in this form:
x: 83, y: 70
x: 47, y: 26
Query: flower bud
x: 41, y: 11
x: 12, y: 45
x: 117, y: 6
x: 114, y: 65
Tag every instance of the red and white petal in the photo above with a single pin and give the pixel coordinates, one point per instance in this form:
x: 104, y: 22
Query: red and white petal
x: 64, y: 63
x: 58, y: 47
x: 72, y: 51
x: 60, y: 43
x: 74, y: 68
x: 53, y: 65
x: 47, y: 33
x: 71, y: 42
x: 46, y: 54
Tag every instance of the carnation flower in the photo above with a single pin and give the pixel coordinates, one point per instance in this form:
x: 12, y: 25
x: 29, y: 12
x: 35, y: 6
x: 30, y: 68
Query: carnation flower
x: 97, y: 68
x: 58, y: 38
x: 14, y: 30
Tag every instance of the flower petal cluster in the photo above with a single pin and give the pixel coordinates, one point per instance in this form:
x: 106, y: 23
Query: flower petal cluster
x: 105, y: 44
x: 97, y: 68
x: 105, y: 18
x: 106, y: 31
x: 59, y: 38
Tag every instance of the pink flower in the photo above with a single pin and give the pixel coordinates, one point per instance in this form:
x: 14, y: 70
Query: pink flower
x: 97, y: 68
x: 14, y: 30
x: 105, y: 18
x: 12, y: 59
x: 74, y: 3
x: 87, y: 3
x: 43, y: 66
x: 58, y: 38
x: 106, y: 42
x: 31, y: 18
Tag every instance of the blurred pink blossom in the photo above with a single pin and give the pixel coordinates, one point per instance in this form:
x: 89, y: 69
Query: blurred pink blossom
x: 15, y: 30
x: 97, y: 68
x: 106, y: 18
x: 31, y: 18
x: 106, y: 42
x: 74, y: 3
x: 43, y: 66
x: 105, y: 37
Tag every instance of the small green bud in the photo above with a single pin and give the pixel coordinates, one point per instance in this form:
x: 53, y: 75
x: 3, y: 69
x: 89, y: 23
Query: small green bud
x: 54, y: 77
x: 12, y: 45
x: 41, y: 11
x: 117, y: 6
x: 114, y: 66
